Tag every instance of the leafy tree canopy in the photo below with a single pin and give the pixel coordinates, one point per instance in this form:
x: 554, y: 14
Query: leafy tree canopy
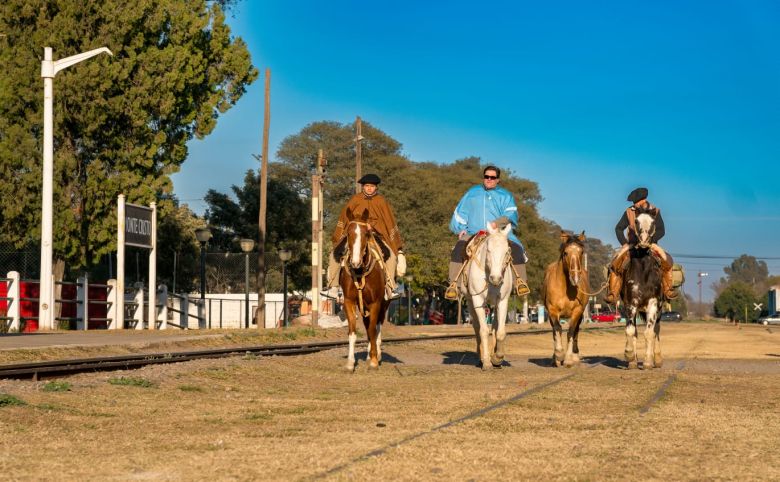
x: 121, y: 123
x: 734, y: 299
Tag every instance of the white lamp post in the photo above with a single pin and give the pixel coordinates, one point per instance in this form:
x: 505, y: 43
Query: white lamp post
x: 49, y: 69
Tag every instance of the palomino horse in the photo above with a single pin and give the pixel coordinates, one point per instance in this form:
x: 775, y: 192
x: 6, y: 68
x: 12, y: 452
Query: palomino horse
x: 490, y: 282
x: 363, y: 284
x: 642, y: 293
x: 565, y: 295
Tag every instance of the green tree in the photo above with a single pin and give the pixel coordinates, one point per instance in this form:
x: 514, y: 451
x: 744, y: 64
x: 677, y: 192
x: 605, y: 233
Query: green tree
x: 286, y: 225
x: 749, y: 270
x: 733, y: 300
x: 121, y: 123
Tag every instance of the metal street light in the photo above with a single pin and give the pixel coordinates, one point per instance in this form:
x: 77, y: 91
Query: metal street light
x: 285, y: 256
x: 246, y: 246
x: 701, y: 308
x: 49, y: 69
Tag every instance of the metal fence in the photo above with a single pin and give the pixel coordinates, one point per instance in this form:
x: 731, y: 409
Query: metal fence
x: 26, y: 262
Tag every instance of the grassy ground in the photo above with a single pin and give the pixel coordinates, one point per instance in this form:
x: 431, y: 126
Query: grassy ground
x: 306, y: 418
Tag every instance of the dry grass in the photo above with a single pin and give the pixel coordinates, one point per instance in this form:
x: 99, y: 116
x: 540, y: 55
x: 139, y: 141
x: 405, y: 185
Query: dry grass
x: 305, y: 417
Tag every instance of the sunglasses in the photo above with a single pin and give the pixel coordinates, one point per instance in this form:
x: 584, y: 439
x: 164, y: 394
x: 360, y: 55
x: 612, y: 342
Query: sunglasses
x: 492, y: 178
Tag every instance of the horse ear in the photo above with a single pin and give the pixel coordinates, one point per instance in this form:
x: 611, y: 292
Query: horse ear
x: 364, y: 216
x: 564, y: 236
x: 507, y: 229
x: 491, y: 229
x: 581, y: 237
x: 350, y: 215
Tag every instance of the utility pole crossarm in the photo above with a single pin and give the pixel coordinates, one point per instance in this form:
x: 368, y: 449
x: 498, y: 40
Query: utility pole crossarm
x: 50, y: 68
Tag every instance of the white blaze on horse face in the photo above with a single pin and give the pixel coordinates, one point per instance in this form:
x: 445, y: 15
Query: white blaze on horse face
x: 497, y: 248
x: 645, y: 229
x: 356, y: 254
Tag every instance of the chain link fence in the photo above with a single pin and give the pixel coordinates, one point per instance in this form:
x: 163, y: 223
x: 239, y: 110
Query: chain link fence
x: 26, y: 262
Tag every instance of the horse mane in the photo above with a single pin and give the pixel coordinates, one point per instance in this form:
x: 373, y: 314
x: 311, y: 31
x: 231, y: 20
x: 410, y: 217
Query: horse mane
x: 651, y: 210
x: 382, y: 245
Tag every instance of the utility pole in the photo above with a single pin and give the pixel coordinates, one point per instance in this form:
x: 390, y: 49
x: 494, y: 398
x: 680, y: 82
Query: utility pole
x: 358, y: 154
x: 260, y: 314
x: 316, y: 237
x: 701, y: 308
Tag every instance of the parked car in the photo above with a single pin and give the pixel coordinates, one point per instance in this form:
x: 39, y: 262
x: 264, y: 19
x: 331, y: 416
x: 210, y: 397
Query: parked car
x: 770, y: 319
x: 670, y: 316
x: 606, y: 316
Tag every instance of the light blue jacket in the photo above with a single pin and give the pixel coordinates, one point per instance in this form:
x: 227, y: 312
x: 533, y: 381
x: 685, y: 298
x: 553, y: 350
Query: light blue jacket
x: 480, y: 206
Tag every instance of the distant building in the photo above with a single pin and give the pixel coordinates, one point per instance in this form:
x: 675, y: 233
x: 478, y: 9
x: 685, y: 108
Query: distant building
x: 771, y: 307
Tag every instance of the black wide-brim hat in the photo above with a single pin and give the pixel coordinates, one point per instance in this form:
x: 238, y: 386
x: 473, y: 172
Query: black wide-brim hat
x: 637, y: 194
x: 370, y: 179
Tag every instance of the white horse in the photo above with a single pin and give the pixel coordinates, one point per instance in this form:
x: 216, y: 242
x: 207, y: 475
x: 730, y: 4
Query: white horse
x: 489, y: 282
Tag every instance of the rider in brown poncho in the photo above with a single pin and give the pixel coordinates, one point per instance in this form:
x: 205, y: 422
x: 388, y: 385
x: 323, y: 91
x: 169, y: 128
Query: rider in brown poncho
x: 382, y: 220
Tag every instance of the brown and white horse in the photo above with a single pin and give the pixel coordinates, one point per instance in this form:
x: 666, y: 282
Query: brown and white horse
x: 490, y: 282
x: 565, y: 295
x: 363, y: 282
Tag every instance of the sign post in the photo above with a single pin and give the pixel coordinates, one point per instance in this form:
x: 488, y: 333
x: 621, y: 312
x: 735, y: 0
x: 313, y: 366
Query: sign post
x: 136, y: 226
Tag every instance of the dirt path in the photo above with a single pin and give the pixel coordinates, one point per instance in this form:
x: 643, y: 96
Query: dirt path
x: 427, y: 414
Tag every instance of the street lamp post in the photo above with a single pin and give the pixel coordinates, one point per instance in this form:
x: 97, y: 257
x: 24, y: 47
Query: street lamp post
x: 203, y: 235
x: 701, y: 308
x: 285, y: 256
x: 49, y: 69
x: 408, y: 279
x: 246, y: 246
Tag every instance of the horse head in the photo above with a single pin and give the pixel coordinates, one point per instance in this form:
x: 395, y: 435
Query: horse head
x: 358, y: 233
x: 498, y: 255
x: 645, y: 226
x: 572, y: 249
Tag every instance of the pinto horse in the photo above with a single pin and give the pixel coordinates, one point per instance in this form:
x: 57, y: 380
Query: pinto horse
x: 564, y: 295
x: 642, y: 293
x: 363, y: 282
x: 490, y: 282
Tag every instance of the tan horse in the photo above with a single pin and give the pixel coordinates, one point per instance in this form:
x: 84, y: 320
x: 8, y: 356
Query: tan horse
x: 363, y: 282
x: 565, y: 295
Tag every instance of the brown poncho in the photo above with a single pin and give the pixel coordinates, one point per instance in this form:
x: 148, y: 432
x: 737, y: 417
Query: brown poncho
x: 380, y: 217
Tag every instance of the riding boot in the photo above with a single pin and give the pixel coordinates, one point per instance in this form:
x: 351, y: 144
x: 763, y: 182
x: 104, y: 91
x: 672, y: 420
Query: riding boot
x: 615, y: 283
x: 451, y: 293
x: 521, y: 287
x: 667, y: 282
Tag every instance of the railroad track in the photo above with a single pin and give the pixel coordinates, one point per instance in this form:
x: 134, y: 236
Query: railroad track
x: 61, y: 368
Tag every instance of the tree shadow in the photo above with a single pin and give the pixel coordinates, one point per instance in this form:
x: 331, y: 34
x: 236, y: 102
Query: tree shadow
x: 467, y: 358
x: 607, y: 361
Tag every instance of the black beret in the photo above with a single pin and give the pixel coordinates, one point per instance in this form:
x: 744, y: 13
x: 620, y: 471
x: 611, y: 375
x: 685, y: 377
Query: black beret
x: 369, y: 179
x: 637, y: 194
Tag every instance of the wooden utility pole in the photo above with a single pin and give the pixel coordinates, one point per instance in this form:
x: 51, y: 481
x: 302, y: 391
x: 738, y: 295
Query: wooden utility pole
x: 358, y: 154
x: 260, y: 313
x: 316, y: 238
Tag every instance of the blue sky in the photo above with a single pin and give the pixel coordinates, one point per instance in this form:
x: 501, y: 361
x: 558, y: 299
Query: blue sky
x: 588, y: 99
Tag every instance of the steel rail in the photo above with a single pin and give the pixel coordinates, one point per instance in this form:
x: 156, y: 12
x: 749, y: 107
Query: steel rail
x: 60, y: 368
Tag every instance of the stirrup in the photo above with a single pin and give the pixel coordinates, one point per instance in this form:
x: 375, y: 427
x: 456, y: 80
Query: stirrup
x: 521, y: 288
x: 451, y: 293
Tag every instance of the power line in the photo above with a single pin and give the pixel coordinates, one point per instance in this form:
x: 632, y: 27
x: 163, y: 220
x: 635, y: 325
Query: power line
x: 706, y: 256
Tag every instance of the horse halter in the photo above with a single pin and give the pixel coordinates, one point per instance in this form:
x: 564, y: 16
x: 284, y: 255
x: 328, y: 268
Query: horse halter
x: 569, y: 261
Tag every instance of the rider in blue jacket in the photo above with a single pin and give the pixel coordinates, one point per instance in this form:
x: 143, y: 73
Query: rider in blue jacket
x: 483, y: 204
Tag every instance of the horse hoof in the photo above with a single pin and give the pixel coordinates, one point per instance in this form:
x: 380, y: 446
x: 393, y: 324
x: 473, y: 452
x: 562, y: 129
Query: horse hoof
x: 496, y: 361
x: 373, y: 364
x: 632, y: 365
x: 486, y: 366
x: 350, y: 367
x: 569, y: 363
x: 556, y: 362
x: 659, y: 363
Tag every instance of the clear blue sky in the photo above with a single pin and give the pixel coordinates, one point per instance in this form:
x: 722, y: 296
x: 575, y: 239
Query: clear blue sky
x: 588, y: 99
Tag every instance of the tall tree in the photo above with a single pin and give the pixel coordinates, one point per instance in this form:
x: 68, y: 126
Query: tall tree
x: 735, y: 299
x: 747, y: 269
x: 121, y: 123
x: 286, y: 227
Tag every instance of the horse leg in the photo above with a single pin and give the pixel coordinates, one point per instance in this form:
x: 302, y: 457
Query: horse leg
x: 572, y: 357
x: 650, y: 322
x: 351, y: 311
x: 555, y: 323
x: 481, y: 329
x: 371, y: 331
x: 630, y: 352
x: 475, y: 325
x: 499, y: 330
x: 657, y: 358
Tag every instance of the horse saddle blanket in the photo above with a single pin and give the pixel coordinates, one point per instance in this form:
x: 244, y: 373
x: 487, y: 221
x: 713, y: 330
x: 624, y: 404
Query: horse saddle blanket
x: 473, y: 244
